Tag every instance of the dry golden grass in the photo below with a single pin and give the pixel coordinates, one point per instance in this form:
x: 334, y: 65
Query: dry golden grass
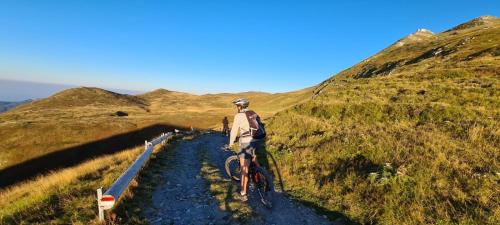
x: 67, y: 196
x: 17, y: 202
x: 81, y: 115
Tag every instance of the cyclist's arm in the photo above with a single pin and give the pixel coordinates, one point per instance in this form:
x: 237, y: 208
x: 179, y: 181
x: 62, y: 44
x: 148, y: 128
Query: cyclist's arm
x: 234, y: 130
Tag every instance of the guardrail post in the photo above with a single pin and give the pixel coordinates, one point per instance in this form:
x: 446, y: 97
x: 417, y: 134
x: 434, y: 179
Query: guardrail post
x: 101, y: 210
x: 107, y: 200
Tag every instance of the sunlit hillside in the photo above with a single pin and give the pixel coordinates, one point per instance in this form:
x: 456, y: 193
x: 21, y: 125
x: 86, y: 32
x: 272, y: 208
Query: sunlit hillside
x: 407, y: 136
x: 79, y: 116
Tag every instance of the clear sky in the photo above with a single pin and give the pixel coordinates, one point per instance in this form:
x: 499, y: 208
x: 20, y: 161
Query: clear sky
x: 208, y: 46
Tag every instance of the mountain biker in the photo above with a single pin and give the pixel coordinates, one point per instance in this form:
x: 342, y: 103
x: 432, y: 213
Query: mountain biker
x: 225, y: 126
x: 248, y: 144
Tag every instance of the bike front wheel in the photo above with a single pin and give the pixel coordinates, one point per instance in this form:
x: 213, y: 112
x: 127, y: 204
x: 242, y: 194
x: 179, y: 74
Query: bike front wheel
x: 233, y: 169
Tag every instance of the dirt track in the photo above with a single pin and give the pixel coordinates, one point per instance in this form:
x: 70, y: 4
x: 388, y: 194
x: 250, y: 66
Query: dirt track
x: 183, y: 197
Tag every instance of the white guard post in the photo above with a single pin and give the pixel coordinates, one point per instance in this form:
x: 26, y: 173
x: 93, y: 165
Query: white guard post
x: 108, y: 199
x: 99, y: 207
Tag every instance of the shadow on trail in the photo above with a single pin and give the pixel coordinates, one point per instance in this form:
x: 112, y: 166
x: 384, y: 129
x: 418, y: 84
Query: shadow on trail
x: 74, y: 155
x: 229, y: 197
x: 285, y: 210
x: 332, y: 215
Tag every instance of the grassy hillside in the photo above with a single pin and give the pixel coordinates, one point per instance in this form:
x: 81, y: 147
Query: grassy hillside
x: 66, y: 196
x: 69, y: 118
x: 207, y: 111
x: 407, y: 136
x: 80, y: 117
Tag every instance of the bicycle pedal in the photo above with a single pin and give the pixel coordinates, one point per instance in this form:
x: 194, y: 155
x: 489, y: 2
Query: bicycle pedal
x: 252, y: 187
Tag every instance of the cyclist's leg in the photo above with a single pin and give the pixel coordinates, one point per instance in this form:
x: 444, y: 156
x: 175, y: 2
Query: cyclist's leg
x: 245, y: 164
x: 254, y: 160
x: 245, y: 160
x: 253, y: 152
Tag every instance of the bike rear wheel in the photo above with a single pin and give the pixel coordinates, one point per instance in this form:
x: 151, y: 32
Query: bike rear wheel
x: 265, y: 187
x: 233, y: 169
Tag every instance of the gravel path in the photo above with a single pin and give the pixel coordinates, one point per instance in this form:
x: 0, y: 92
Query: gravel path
x: 284, y: 210
x: 184, y: 198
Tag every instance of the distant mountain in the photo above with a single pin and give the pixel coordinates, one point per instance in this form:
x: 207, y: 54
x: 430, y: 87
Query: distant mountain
x: 464, y: 44
x: 15, y: 90
x: 85, y: 97
x: 5, y: 106
x: 484, y: 21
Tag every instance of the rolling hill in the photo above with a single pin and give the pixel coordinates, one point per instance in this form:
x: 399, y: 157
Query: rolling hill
x: 67, y: 144
x: 407, y: 136
x: 78, y: 116
x: 69, y: 118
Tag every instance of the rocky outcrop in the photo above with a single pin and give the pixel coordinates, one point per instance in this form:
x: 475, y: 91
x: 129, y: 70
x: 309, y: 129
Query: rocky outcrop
x: 419, y: 35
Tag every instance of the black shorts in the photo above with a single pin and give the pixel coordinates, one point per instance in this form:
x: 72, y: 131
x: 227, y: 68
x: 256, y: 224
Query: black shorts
x: 247, y: 150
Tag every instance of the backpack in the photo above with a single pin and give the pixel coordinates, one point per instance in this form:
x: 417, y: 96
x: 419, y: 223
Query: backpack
x: 257, y: 130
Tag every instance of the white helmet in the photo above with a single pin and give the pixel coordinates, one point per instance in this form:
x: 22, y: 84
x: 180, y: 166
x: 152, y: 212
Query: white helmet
x: 241, y: 102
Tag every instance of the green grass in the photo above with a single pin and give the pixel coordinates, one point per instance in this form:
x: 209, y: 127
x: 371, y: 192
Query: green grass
x: 445, y: 153
x: 419, y: 146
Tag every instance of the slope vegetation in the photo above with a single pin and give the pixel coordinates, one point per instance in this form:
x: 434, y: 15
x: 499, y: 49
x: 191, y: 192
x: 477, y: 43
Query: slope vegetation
x: 67, y: 119
x: 407, y: 136
x: 207, y: 111
x: 79, y: 117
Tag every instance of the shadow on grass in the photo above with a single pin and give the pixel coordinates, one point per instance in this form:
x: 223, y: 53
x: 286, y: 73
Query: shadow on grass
x: 272, y: 166
x: 74, y: 155
x: 359, y: 164
x: 267, y: 160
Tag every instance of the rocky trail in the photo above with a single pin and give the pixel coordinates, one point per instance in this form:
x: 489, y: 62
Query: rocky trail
x: 184, y: 197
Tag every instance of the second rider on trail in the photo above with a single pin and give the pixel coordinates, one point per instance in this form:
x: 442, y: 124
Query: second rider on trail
x: 248, y: 126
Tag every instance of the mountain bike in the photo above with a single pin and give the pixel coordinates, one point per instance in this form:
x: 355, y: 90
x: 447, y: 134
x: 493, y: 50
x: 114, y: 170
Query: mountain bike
x: 259, y: 179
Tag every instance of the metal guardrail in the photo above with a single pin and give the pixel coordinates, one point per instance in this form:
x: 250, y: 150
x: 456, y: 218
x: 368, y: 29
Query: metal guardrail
x: 112, y: 195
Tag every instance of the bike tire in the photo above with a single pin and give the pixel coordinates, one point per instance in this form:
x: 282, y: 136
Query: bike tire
x: 232, y: 162
x: 265, y: 188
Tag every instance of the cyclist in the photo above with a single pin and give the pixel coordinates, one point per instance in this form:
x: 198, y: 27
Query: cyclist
x: 248, y: 144
x: 225, y: 126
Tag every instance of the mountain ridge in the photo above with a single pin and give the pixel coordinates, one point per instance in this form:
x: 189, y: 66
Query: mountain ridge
x: 445, y: 44
x: 407, y: 136
x: 478, y: 21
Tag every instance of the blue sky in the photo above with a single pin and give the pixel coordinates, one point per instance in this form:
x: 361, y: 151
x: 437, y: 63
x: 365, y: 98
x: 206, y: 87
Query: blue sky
x: 208, y: 46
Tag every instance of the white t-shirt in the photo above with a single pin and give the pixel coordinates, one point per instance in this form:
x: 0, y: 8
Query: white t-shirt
x: 241, y: 126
